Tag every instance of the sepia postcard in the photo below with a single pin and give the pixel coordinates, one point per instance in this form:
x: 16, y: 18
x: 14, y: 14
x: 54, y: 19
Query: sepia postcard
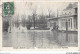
x: 41, y: 25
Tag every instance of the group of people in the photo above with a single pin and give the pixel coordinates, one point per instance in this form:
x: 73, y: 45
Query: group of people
x: 55, y: 27
x: 55, y: 31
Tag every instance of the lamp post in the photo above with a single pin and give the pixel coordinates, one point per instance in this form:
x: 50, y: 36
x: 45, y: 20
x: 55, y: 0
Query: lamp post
x: 66, y: 31
x: 34, y: 20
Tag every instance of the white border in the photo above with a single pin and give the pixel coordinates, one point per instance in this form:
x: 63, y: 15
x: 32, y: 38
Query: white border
x: 44, y: 50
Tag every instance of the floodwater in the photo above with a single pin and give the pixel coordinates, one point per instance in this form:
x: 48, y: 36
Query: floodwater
x: 29, y: 39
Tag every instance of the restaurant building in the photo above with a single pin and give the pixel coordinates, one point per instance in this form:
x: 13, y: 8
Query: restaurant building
x: 67, y: 20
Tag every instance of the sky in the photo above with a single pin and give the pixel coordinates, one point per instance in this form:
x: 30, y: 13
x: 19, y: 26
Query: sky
x: 25, y: 8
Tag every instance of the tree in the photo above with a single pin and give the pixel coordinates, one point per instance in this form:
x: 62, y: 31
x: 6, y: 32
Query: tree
x: 50, y: 13
x: 33, y: 8
x: 23, y: 22
x: 42, y: 21
x: 29, y: 22
x: 17, y: 21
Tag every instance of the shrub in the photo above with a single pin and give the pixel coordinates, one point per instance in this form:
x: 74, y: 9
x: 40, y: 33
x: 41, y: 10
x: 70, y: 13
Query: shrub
x: 28, y: 26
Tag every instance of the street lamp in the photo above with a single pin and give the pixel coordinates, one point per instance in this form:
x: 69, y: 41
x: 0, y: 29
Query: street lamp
x: 66, y: 30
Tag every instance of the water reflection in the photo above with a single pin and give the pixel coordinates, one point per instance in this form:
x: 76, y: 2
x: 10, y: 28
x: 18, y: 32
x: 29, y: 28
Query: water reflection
x: 39, y: 39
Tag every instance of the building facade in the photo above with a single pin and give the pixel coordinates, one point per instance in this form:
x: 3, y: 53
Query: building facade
x: 67, y: 20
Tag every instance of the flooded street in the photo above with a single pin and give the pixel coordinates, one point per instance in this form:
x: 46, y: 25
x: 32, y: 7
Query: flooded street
x: 38, y: 38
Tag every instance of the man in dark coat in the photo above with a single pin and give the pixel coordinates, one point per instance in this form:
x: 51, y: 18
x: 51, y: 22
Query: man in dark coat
x: 55, y: 32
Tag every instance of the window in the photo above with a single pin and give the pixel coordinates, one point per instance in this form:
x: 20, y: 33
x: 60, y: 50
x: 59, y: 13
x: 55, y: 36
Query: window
x: 76, y: 10
x: 63, y: 23
x: 71, y: 23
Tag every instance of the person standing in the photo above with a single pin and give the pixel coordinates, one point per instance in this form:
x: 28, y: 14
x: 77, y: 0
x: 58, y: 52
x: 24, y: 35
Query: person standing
x: 55, y: 32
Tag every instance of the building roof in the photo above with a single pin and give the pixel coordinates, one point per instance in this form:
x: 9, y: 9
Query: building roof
x: 71, y: 6
x: 52, y: 18
x: 60, y: 17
